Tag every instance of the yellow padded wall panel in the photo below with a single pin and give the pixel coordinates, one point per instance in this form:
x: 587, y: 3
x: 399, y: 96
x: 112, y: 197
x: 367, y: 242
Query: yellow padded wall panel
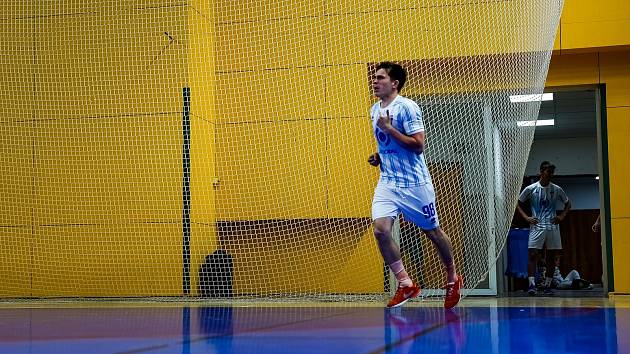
x: 557, y: 40
x: 142, y: 259
x: 16, y: 175
x: 200, y: 65
x: 351, y: 180
x: 73, y: 7
x: 202, y: 96
x: 257, y: 10
x: 15, y: 275
x: 615, y: 72
x: 202, y: 170
x: 251, y: 152
x: 573, y: 69
x: 286, y: 43
x: 16, y: 70
x: 364, y: 256
x: 348, y: 92
x: 132, y: 165
x: 110, y: 64
x: 581, y: 11
x: 436, y: 40
x: 246, y: 99
x: 16, y: 9
x: 588, y: 24
x: 347, y: 6
x: 595, y: 34
x: 621, y: 245
x: 619, y: 160
x: 203, y: 8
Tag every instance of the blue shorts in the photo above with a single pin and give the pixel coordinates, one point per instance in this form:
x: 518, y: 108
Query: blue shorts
x: 417, y: 204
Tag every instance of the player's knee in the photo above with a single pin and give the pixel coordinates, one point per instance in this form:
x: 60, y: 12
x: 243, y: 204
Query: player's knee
x: 382, y: 231
x: 434, y: 234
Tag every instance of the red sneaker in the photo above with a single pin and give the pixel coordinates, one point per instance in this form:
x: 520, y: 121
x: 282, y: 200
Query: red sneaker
x: 452, y: 292
x: 403, y: 294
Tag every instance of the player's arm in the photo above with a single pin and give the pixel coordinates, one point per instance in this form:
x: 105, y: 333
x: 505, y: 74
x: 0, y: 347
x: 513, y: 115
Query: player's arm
x: 521, y: 207
x: 597, y: 226
x: 567, y: 207
x: 413, y: 142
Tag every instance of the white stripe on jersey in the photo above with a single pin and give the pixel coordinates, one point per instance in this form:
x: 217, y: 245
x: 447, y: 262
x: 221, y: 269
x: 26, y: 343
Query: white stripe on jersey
x: 400, y: 166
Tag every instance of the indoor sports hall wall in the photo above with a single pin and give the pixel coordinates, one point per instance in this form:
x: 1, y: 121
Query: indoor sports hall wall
x: 92, y: 146
x: 86, y: 94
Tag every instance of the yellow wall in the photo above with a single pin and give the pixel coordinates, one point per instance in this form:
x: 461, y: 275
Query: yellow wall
x: 594, y: 24
x: 91, y: 123
x: 594, y: 49
x: 108, y: 151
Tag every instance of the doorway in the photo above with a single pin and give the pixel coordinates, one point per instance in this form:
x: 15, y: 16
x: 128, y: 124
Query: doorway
x: 569, y: 134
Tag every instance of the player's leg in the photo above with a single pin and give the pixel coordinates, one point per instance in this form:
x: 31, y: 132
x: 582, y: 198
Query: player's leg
x: 454, y: 282
x: 553, y: 242
x: 418, y: 205
x: 534, y: 248
x: 444, y: 247
x: 533, y: 255
x: 383, y: 234
x: 554, y: 249
x: 384, y: 212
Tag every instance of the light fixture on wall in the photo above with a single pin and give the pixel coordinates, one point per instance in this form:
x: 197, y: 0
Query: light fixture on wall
x: 532, y: 98
x: 597, y: 178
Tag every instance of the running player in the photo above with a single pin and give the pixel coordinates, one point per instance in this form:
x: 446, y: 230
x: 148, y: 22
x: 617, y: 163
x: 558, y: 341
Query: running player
x: 405, y: 184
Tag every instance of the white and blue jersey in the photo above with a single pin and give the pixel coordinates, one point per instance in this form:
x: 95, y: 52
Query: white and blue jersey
x: 543, y: 201
x: 400, y: 166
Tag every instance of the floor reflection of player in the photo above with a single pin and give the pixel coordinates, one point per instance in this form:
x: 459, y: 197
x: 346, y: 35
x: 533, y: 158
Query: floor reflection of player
x: 413, y: 330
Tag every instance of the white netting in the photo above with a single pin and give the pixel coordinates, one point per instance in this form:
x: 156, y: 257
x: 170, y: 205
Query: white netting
x: 139, y: 137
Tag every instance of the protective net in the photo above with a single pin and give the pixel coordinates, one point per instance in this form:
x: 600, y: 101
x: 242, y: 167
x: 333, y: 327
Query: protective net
x: 159, y: 148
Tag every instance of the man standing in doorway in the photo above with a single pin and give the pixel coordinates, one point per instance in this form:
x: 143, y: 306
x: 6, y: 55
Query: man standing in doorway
x: 544, y: 229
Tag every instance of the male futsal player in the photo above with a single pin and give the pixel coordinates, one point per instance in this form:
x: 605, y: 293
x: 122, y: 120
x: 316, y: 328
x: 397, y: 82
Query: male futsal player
x: 543, y: 196
x: 405, y: 184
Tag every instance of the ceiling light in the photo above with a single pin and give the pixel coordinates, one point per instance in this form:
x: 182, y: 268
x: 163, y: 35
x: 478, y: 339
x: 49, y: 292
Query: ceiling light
x: 537, y: 123
x: 532, y: 98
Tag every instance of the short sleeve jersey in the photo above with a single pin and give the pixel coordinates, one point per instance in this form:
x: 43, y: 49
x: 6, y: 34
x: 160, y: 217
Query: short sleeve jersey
x: 399, y: 165
x: 543, y: 201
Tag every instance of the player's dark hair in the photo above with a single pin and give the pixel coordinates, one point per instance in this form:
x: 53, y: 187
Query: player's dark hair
x: 546, y: 165
x: 395, y: 72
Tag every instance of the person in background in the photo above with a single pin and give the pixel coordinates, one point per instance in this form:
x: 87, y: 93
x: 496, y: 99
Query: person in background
x: 544, y: 229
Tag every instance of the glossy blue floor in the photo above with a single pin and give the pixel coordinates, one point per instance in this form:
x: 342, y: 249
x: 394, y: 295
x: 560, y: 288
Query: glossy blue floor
x: 478, y: 326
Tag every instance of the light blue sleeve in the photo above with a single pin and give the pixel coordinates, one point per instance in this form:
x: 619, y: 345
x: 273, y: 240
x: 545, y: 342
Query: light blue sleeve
x: 562, y: 195
x: 525, y: 194
x: 412, y: 121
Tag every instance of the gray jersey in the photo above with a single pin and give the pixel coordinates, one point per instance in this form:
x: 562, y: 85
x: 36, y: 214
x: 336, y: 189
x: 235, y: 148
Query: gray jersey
x: 543, y: 201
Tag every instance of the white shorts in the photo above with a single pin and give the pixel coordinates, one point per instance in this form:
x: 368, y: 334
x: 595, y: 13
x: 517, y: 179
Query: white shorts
x: 417, y: 204
x: 537, y: 239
